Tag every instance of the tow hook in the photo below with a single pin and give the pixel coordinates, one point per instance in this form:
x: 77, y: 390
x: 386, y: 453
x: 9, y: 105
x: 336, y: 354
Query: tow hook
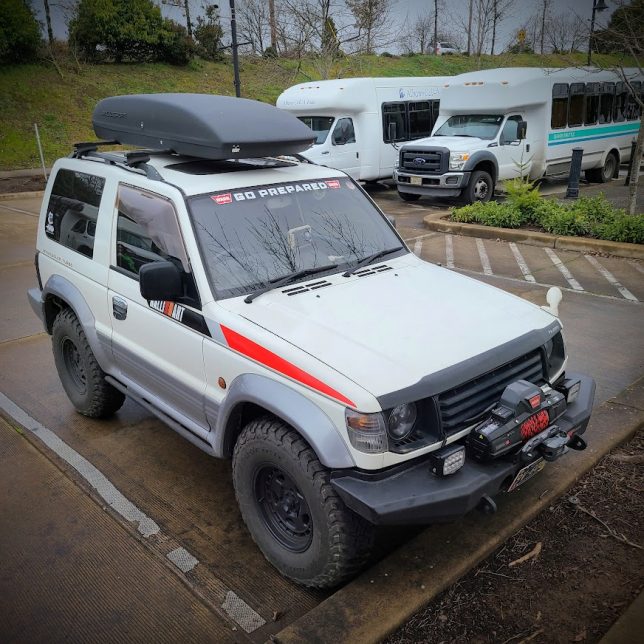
x: 577, y: 442
x: 486, y: 505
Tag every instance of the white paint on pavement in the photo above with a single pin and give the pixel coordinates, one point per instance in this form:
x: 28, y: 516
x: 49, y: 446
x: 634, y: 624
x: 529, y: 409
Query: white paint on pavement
x: 529, y: 277
x: 242, y: 613
x: 182, y: 559
x: 485, y: 260
x: 563, y: 269
x: 449, y: 251
x: 20, y: 210
x: 418, y: 247
x: 624, y: 292
x: 637, y: 266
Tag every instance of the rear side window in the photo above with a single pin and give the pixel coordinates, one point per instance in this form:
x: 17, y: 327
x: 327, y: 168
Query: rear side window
x: 559, y: 115
x: 72, y: 210
x: 576, y: 106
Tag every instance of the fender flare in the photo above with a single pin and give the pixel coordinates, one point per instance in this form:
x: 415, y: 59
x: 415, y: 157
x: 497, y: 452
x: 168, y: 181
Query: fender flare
x: 63, y: 289
x: 288, y: 405
x: 482, y: 155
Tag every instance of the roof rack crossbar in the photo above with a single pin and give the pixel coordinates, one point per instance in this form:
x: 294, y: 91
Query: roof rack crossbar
x: 80, y: 149
x: 136, y: 162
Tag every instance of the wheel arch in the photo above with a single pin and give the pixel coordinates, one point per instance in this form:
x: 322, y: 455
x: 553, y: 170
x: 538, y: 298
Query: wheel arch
x: 483, y: 160
x: 253, y: 395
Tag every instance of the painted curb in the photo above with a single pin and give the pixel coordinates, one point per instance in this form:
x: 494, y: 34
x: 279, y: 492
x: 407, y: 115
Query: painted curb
x: 436, y: 222
x: 12, y: 196
x: 387, y: 595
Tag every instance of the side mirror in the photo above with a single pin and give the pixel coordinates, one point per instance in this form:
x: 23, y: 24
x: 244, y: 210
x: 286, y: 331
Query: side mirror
x: 160, y: 281
x: 391, y: 131
x: 522, y: 130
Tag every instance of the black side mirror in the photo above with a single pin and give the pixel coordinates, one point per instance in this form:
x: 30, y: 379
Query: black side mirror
x: 391, y: 131
x: 522, y: 130
x: 160, y: 281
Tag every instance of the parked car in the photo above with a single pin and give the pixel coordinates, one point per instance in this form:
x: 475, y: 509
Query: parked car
x: 446, y: 48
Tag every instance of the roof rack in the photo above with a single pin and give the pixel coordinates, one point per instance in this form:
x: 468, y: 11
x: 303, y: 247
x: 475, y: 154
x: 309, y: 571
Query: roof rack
x: 132, y: 160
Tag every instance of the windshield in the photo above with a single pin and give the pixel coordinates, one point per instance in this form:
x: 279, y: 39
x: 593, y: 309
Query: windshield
x: 483, y: 126
x: 321, y: 126
x: 264, y: 233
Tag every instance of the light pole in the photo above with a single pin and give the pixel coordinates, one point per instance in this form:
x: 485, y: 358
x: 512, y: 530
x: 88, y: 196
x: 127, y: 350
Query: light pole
x: 598, y: 5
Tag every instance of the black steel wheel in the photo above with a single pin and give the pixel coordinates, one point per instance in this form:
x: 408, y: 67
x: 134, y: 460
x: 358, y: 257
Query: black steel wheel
x: 80, y: 374
x: 292, y: 511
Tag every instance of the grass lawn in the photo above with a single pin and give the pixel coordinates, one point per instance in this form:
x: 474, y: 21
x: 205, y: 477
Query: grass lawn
x: 62, y: 107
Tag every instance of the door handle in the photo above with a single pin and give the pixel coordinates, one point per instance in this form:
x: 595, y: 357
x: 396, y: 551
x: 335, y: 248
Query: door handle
x: 119, y: 308
x: 527, y: 147
x: 325, y: 152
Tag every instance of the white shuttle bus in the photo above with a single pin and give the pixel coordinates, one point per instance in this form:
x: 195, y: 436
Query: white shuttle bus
x: 498, y: 124
x: 361, y: 122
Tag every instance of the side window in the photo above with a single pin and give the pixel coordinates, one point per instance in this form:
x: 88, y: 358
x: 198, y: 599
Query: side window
x: 394, y: 122
x: 343, y: 132
x: 421, y: 119
x: 619, y: 108
x: 632, y: 108
x: 147, y: 231
x: 592, y: 103
x: 559, y: 114
x: 576, y: 105
x: 73, y: 204
x: 509, y: 132
x: 606, y: 102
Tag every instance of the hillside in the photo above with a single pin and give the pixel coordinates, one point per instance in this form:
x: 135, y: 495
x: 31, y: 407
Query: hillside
x: 62, y: 107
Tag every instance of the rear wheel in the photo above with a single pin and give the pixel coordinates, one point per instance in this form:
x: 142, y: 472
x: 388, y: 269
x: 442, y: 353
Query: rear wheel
x: 408, y: 196
x: 80, y: 374
x: 479, y: 188
x: 291, y: 510
x: 605, y: 173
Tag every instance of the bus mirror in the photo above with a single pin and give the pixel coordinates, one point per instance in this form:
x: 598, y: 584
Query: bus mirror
x: 522, y: 130
x: 391, y: 131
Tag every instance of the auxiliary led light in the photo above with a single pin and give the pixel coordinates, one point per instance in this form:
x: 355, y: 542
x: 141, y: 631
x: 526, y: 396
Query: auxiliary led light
x: 448, y: 460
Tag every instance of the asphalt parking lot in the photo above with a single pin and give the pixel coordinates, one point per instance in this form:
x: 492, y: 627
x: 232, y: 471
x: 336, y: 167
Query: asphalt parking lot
x: 77, y: 567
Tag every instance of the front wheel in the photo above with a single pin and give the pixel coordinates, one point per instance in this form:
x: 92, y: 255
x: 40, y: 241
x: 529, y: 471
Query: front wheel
x: 479, y: 188
x: 291, y: 510
x: 408, y: 196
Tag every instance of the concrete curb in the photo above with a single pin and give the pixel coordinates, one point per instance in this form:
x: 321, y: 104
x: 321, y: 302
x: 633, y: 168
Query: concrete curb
x: 23, y: 172
x: 627, y: 627
x: 12, y: 196
x: 436, y: 222
x: 384, y: 597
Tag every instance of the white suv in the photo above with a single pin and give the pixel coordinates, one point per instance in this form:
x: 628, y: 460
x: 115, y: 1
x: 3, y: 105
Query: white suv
x: 268, y: 311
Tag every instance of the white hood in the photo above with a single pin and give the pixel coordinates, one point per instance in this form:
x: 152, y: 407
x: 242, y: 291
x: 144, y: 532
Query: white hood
x: 388, y: 330
x: 453, y: 143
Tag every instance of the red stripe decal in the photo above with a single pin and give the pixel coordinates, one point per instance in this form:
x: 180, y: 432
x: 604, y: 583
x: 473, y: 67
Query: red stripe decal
x: 273, y: 361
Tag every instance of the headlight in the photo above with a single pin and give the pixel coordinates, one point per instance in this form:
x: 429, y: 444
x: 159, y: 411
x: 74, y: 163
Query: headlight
x: 367, y: 432
x: 457, y: 160
x: 401, y: 421
x: 555, y: 354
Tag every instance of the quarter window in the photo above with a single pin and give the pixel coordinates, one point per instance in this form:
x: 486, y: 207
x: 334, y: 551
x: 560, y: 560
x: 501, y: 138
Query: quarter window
x: 559, y: 114
x: 74, y: 203
x: 576, y: 105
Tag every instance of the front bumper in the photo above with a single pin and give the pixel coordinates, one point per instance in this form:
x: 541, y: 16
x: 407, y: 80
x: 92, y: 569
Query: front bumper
x: 450, y: 184
x: 411, y: 494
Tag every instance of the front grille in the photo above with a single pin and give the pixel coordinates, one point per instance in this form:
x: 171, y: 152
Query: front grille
x: 424, y: 161
x: 466, y: 404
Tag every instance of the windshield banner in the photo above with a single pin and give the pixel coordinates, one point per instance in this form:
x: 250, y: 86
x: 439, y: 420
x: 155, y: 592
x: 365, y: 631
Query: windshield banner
x: 282, y: 189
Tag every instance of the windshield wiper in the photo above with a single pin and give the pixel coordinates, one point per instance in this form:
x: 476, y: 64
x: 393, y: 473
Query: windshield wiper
x: 287, y: 279
x: 370, y: 258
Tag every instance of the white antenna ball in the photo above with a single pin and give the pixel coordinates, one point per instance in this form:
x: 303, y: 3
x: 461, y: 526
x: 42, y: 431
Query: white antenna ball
x: 554, y: 297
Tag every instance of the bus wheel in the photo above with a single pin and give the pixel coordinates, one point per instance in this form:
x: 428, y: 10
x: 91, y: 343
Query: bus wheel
x: 605, y: 173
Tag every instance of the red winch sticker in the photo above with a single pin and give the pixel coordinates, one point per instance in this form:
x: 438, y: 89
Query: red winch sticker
x: 220, y: 200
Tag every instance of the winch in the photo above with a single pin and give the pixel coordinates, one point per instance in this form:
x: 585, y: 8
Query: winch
x: 523, y: 421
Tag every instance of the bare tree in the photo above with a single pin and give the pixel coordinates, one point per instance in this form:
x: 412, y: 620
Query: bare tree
x: 183, y: 5
x: 565, y: 33
x: 501, y: 9
x: 253, y: 23
x: 544, y: 14
x: 373, y: 22
x: 416, y: 37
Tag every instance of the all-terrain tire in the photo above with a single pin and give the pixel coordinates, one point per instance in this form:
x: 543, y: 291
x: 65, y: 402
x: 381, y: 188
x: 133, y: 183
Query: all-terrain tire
x: 80, y: 374
x: 479, y: 188
x: 605, y: 173
x: 338, y: 543
x: 408, y: 196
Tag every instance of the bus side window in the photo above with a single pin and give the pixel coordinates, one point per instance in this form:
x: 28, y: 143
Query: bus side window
x: 420, y: 119
x: 559, y: 113
x: 576, y: 104
x: 592, y: 103
x: 606, y: 102
x: 394, y: 114
x: 632, y: 108
x: 619, y: 108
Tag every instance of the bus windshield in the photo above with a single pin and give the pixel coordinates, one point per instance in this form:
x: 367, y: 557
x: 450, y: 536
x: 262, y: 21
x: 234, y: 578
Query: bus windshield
x: 321, y: 126
x: 482, y: 126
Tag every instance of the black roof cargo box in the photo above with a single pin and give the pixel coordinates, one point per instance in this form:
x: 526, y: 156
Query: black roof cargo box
x: 201, y: 125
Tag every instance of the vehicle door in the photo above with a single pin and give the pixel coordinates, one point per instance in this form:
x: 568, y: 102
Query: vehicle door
x: 511, y: 153
x: 157, y: 345
x: 345, y: 154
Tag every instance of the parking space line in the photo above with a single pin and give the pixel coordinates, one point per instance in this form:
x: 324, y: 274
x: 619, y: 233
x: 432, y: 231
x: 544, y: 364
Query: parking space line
x: 529, y: 277
x: 563, y: 270
x: 449, y: 252
x: 611, y: 279
x: 637, y: 267
x: 418, y: 247
x: 485, y: 260
x: 411, y: 239
x: 20, y: 210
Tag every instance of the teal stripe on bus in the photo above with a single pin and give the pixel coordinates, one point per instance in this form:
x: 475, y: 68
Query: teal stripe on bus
x: 589, y: 138
x: 620, y: 130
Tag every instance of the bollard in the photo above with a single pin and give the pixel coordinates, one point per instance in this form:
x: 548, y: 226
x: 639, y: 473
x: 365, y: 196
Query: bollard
x: 575, y: 172
x: 631, y: 164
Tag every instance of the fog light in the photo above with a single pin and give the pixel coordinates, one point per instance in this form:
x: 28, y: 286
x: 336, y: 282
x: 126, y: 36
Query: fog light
x: 447, y: 460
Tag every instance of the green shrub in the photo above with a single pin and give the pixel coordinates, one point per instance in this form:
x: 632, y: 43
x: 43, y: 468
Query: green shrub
x: 596, y: 209
x: 524, y: 196
x: 622, y: 228
x: 559, y: 219
x: 19, y: 33
x: 175, y: 46
x: 209, y: 33
x: 491, y: 213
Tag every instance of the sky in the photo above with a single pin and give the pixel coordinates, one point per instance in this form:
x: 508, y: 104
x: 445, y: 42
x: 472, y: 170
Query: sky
x: 402, y: 10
